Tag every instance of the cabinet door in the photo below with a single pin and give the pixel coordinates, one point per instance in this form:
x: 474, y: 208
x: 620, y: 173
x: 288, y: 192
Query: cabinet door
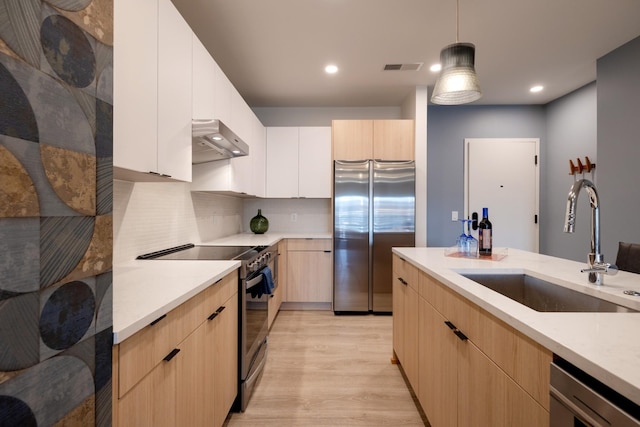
x: 282, y: 162
x: 410, y: 363
x: 152, y: 401
x: 222, y: 96
x: 438, y: 354
x: 225, y: 359
x: 352, y: 139
x: 258, y: 157
x: 399, y: 297
x: 204, y: 70
x: 393, y: 140
x: 174, y: 93
x: 309, y: 276
x: 135, y: 85
x: 192, y: 402
x: 488, y: 397
x: 314, y: 166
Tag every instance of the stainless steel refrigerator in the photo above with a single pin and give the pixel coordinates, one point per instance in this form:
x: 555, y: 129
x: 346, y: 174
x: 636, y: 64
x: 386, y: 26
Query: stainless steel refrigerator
x: 373, y: 211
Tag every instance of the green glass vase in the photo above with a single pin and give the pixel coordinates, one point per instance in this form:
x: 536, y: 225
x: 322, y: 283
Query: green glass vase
x: 259, y: 224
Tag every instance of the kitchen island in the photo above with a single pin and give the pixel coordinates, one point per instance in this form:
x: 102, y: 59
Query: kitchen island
x: 604, y: 345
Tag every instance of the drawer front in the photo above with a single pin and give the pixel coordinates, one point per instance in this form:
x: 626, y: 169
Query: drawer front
x: 218, y: 293
x: 140, y: 353
x: 402, y: 269
x: 309, y: 244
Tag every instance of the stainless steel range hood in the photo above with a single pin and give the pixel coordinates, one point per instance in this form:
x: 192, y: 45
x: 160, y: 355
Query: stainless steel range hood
x: 212, y: 140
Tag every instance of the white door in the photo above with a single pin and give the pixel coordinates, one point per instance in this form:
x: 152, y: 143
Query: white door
x: 502, y: 174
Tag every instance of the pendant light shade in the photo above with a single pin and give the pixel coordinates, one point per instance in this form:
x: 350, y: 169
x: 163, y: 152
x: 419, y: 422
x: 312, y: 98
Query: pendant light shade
x: 457, y: 83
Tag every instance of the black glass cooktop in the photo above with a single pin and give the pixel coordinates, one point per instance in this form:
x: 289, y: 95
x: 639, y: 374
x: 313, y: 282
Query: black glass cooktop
x: 192, y: 252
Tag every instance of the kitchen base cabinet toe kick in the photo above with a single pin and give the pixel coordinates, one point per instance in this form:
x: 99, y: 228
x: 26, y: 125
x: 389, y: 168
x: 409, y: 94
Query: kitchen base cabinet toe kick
x: 465, y: 366
x: 180, y: 370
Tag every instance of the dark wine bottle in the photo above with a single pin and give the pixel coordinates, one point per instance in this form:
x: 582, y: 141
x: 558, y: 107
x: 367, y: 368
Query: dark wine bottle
x: 484, y: 235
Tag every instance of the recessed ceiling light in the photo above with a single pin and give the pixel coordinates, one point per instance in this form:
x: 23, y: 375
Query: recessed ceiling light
x: 331, y: 69
x: 535, y: 89
x: 435, y: 68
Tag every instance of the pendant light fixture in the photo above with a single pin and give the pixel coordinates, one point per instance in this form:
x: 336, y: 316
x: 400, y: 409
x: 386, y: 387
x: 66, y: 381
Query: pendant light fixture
x: 457, y: 83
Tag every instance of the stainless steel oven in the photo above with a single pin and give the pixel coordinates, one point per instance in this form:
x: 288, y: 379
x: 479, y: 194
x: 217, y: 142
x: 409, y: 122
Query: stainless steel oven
x: 579, y: 400
x: 252, y: 303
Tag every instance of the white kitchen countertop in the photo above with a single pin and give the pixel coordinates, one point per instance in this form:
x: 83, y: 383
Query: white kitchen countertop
x: 145, y: 290
x: 605, y: 345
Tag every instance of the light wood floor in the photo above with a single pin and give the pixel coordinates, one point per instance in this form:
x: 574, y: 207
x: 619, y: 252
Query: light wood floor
x: 327, y: 370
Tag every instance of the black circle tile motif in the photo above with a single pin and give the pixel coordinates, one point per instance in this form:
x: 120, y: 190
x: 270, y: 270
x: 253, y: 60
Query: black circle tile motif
x: 14, y: 412
x: 68, y: 51
x: 16, y: 115
x: 67, y: 315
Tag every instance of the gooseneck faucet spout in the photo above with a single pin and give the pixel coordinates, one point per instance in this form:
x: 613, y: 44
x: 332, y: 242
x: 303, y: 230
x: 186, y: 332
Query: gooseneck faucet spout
x: 597, y: 266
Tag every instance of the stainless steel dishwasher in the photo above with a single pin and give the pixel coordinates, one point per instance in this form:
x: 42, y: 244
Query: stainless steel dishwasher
x: 577, y: 400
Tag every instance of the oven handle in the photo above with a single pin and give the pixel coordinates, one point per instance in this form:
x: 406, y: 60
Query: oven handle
x: 252, y: 282
x: 573, y: 408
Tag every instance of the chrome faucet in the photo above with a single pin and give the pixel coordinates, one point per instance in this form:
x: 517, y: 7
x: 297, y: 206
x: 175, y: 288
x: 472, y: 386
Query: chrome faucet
x: 597, y: 267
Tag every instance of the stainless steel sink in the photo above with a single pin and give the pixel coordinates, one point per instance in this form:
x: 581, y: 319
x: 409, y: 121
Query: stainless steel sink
x: 541, y: 295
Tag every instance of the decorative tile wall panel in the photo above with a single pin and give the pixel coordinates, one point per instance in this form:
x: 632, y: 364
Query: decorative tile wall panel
x: 56, y: 202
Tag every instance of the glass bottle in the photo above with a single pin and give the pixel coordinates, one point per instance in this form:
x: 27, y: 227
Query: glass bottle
x: 485, y: 236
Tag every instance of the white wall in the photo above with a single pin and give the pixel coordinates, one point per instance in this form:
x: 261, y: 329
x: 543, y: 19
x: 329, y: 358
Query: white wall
x: 571, y: 133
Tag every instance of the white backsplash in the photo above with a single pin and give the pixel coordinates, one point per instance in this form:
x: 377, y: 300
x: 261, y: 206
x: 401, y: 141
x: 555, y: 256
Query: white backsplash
x: 148, y: 216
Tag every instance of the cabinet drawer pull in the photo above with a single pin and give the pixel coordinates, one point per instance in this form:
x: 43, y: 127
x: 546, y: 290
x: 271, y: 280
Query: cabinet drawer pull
x: 327, y: 252
x: 157, y: 320
x: 460, y: 335
x: 171, y: 355
x: 404, y: 282
x: 220, y: 309
x: 213, y: 315
x: 450, y: 325
x: 154, y: 173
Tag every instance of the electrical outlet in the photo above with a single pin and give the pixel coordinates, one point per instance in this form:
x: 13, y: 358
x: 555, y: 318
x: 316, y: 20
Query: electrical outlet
x: 294, y: 217
x: 454, y: 215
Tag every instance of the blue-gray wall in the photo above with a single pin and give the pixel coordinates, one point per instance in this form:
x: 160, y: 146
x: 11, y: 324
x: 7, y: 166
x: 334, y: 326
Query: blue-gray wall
x: 447, y: 127
x: 571, y: 134
x: 619, y: 146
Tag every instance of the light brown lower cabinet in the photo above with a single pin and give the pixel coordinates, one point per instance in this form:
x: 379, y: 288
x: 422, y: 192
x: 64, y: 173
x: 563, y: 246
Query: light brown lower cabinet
x: 405, y: 326
x: 309, y: 270
x: 472, y: 368
x: 194, y: 383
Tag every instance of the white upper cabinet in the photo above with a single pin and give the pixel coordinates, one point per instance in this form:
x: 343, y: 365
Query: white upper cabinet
x: 135, y: 85
x: 222, y: 90
x: 258, y: 155
x: 152, y: 91
x: 204, y: 72
x: 298, y: 162
x: 175, y: 40
x: 282, y: 162
x: 314, y: 162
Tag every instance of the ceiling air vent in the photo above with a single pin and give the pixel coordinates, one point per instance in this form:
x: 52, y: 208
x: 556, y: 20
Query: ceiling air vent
x: 415, y: 66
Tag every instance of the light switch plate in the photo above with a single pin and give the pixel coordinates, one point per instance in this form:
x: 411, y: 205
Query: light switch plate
x: 454, y: 215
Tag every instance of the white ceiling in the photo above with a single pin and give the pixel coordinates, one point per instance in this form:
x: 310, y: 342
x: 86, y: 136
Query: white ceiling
x: 274, y: 51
